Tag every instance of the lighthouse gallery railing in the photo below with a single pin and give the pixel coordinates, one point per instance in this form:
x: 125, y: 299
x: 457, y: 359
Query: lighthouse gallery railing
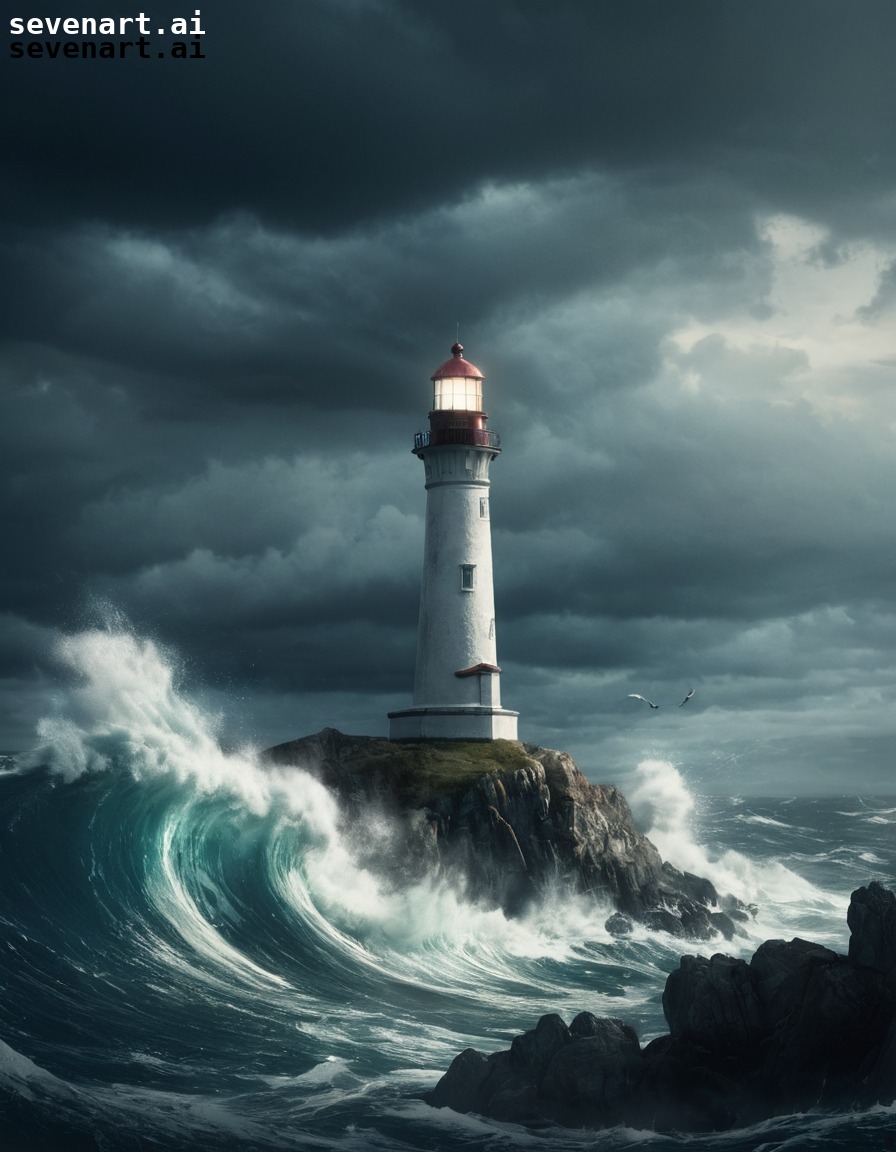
x: 481, y: 437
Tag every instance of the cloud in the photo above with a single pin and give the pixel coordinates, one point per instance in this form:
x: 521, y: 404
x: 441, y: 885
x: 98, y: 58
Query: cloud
x: 289, y: 114
x: 667, y: 237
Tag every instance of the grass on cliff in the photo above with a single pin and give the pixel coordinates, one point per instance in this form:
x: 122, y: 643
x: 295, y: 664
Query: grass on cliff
x: 419, y: 772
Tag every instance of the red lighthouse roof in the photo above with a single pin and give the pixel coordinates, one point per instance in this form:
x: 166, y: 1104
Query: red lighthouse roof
x: 457, y: 366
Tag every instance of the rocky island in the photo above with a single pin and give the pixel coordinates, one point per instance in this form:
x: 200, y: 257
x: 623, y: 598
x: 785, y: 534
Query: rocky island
x: 508, y: 822
x: 797, y: 1027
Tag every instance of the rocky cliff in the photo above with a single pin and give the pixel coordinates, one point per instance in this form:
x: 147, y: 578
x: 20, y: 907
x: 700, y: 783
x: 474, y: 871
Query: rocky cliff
x: 797, y: 1027
x: 508, y: 822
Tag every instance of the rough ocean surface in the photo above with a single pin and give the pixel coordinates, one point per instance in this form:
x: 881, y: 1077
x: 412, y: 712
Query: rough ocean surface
x: 508, y: 822
x: 194, y: 956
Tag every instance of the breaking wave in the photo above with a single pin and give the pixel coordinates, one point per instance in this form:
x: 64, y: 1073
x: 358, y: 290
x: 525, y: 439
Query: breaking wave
x: 193, y: 955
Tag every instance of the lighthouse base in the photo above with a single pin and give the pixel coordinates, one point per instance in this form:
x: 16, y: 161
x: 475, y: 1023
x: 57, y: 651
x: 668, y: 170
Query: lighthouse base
x: 453, y: 724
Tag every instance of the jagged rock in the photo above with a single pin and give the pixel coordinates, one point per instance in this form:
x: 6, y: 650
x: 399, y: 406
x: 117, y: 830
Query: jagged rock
x: 680, y: 1088
x: 593, y: 1072
x: 872, y: 921
x: 461, y: 1089
x: 797, y: 1027
x: 736, y: 910
x: 830, y: 1040
x: 781, y: 972
x: 723, y: 924
x: 713, y: 1004
x: 510, y: 821
x: 662, y: 920
x: 619, y: 925
x: 534, y: 1050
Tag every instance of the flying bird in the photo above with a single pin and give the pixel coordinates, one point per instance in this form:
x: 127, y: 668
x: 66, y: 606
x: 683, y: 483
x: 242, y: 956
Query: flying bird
x: 636, y: 696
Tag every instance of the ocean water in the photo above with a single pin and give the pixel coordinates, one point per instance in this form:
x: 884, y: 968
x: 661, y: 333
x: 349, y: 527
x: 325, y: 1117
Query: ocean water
x: 191, y: 958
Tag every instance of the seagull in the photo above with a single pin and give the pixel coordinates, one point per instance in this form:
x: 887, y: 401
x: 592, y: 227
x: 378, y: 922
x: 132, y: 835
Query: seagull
x: 635, y: 696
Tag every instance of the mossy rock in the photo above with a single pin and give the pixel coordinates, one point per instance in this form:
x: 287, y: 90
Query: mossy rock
x: 411, y: 774
x: 420, y: 772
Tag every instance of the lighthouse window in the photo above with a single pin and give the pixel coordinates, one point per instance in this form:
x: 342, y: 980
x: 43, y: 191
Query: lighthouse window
x: 460, y: 393
x: 467, y: 577
x: 483, y: 508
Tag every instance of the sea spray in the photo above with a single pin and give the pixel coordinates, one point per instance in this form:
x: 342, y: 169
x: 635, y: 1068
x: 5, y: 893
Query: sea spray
x: 667, y: 810
x: 191, y: 956
x: 663, y: 806
x: 128, y: 717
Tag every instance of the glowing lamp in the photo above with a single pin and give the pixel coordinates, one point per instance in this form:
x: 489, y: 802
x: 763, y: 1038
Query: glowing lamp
x: 457, y: 384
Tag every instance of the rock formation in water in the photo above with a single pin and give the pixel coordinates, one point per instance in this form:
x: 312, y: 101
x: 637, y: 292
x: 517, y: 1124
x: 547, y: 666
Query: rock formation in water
x: 797, y: 1027
x: 507, y: 821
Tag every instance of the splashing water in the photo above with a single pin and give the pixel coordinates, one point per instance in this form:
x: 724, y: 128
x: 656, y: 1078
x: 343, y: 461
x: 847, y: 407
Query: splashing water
x: 192, y: 954
x: 129, y: 718
x: 665, y: 807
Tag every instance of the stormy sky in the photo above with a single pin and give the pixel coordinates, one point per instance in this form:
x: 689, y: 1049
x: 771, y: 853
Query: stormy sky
x: 667, y: 230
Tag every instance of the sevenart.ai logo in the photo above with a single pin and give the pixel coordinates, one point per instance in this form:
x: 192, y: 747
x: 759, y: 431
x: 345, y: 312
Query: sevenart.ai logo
x: 106, y: 38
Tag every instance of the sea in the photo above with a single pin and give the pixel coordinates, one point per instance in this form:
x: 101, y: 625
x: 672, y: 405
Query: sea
x: 192, y: 958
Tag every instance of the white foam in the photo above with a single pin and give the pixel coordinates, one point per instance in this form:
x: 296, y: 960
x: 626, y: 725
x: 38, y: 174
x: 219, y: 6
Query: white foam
x: 767, y: 820
x: 21, y: 1075
x: 665, y: 810
x: 331, y: 1072
x: 126, y: 715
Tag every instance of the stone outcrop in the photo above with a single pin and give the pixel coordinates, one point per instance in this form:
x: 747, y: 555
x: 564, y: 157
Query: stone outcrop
x: 508, y: 821
x: 797, y: 1027
x: 872, y: 923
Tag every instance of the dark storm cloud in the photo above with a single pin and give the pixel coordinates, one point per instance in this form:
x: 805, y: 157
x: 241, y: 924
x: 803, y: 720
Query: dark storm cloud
x: 708, y: 510
x: 330, y: 112
x: 249, y: 314
x: 666, y: 230
x: 149, y: 336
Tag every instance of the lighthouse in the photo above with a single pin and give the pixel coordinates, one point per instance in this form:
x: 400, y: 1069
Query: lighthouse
x: 457, y: 684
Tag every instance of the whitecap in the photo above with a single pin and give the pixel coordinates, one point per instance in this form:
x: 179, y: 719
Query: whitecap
x: 764, y: 820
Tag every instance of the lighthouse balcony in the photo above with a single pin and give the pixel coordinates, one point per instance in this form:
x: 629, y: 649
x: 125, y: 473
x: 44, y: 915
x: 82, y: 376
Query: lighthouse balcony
x: 477, y: 437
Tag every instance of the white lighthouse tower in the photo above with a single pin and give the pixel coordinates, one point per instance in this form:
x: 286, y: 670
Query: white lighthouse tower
x: 457, y: 686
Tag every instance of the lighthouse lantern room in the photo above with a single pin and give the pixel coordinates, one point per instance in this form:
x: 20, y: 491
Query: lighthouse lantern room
x: 457, y: 694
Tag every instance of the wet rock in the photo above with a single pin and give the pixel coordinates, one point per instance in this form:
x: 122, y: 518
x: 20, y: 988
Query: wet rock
x: 460, y: 1087
x: 781, y: 971
x: 662, y: 920
x: 713, y: 1004
x: 593, y: 1074
x: 872, y: 922
x: 797, y: 1027
x: 681, y: 1089
x: 696, y: 921
x: 534, y: 1050
x: 830, y: 1039
x: 882, y: 1075
x: 510, y: 822
x: 723, y: 924
x: 737, y: 909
